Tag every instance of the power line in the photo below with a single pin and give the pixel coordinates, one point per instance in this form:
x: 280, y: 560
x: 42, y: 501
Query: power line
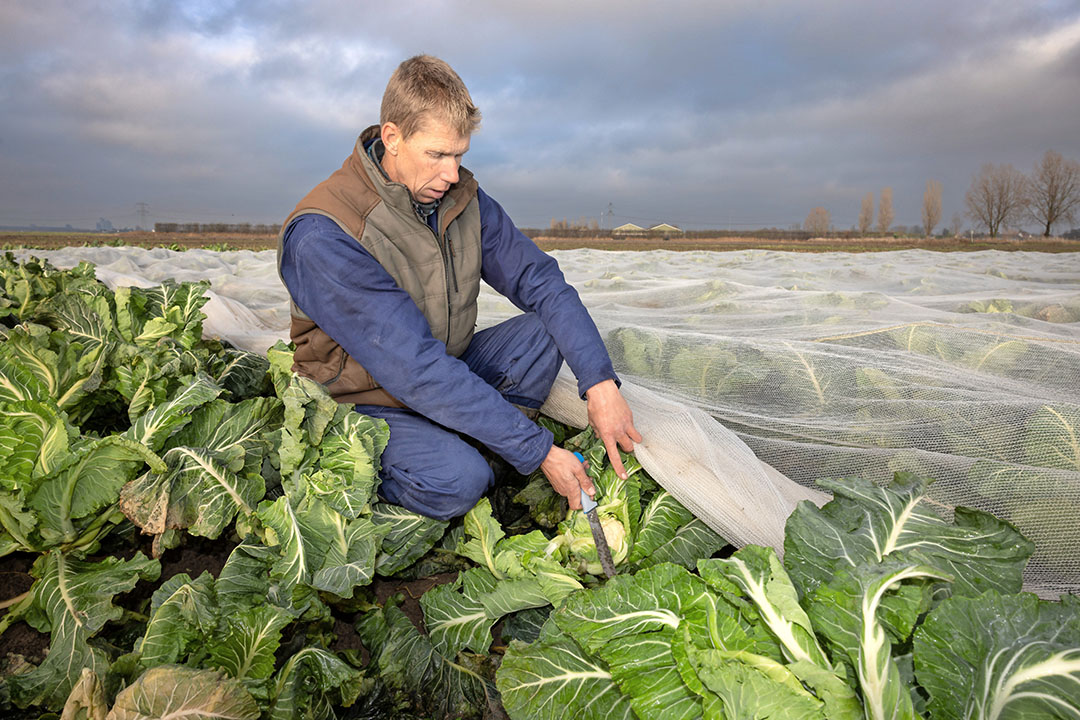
x: 143, y: 210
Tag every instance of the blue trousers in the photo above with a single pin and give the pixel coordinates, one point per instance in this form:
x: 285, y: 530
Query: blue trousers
x: 431, y: 470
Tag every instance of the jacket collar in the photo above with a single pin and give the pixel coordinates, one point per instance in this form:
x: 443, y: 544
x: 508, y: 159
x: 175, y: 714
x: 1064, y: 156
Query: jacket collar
x: 394, y: 193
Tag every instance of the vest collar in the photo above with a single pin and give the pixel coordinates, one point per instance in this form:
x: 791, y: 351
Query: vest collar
x: 396, y: 194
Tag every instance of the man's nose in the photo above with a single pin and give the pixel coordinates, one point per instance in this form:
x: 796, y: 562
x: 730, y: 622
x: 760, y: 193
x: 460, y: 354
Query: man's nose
x: 450, y: 171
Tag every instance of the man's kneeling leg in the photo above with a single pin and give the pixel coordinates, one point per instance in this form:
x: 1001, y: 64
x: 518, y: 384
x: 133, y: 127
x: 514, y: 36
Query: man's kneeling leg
x: 428, y: 469
x: 518, y: 358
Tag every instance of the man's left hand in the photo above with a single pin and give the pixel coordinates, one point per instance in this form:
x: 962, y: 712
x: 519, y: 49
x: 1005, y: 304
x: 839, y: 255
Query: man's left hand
x: 612, y: 421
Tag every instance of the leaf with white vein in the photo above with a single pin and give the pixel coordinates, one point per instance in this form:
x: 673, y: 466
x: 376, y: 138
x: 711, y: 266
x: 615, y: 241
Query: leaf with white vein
x: 293, y: 532
x: 483, y: 532
x: 409, y: 537
x: 867, y: 524
x: 689, y: 543
x: 212, y: 471
x: 34, y: 442
x: 998, y: 656
x: 173, y: 692
x: 662, y: 518
x: 457, y: 619
x: 87, y: 699
x: 756, y: 689
x: 183, y: 614
x: 409, y: 662
x: 312, y: 685
x: 846, y: 611
x: 349, y: 463
x: 89, y: 481
x: 350, y: 558
x: 75, y: 598
x: 664, y: 596
x: 154, y: 427
x: 763, y: 580
x: 197, y: 492
x: 246, y: 649
x: 553, y: 679
x: 241, y: 373
x: 646, y: 670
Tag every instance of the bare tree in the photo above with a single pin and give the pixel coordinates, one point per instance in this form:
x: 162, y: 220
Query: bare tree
x: 1054, y: 191
x: 818, y: 221
x: 885, y: 211
x: 997, y: 197
x: 931, y: 206
x: 956, y: 225
x: 866, y: 213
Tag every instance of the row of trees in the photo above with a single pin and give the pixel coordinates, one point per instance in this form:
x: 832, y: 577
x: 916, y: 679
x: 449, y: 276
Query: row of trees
x: 1000, y: 196
x: 227, y: 228
x: 819, y: 221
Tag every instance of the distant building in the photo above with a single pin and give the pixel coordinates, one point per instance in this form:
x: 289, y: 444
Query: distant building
x: 629, y: 229
x: 665, y: 229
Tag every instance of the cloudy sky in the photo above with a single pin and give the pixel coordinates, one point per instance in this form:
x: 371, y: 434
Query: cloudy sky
x: 705, y: 114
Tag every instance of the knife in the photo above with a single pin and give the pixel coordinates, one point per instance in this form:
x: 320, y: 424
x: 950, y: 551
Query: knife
x: 588, y: 506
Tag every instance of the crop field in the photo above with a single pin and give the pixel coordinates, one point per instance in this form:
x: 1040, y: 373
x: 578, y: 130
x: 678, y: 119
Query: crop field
x: 189, y: 529
x: 236, y: 241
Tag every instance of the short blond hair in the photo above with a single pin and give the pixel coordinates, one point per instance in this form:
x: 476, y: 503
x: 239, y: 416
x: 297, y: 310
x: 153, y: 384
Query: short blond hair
x: 423, y: 87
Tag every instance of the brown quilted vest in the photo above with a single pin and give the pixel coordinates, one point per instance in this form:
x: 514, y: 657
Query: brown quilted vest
x: 440, y: 272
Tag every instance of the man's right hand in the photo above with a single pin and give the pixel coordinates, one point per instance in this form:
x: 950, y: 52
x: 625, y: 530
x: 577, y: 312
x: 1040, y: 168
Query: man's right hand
x: 567, y: 475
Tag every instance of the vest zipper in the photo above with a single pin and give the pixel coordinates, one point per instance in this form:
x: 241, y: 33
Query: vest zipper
x: 448, y: 244
x: 448, y: 271
x: 450, y: 252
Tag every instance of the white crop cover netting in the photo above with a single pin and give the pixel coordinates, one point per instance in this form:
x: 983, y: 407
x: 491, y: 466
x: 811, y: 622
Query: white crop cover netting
x: 960, y: 367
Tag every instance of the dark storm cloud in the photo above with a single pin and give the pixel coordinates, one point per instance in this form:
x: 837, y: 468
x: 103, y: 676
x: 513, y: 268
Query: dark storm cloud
x: 698, y: 113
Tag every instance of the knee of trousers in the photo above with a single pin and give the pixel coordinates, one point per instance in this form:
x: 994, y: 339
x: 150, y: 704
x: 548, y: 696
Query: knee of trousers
x: 536, y: 335
x: 543, y: 357
x: 469, y: 495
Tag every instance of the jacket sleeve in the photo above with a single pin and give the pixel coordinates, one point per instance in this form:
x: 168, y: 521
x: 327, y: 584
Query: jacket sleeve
x: 351, y: 297
x: 531, y: 279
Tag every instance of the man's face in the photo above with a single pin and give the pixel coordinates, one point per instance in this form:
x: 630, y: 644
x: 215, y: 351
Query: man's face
x: 427, y: 162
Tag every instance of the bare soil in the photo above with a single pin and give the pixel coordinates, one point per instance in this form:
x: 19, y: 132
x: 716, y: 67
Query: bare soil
x: 19, y: 640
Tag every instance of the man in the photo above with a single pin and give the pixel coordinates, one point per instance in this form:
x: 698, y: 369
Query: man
x: 383, y: 262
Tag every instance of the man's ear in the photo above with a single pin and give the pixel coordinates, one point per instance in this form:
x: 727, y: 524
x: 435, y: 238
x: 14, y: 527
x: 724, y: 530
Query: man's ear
x: 391, y: 137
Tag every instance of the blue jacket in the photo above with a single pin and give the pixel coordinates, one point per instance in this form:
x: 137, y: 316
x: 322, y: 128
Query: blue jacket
x: 345, y: 291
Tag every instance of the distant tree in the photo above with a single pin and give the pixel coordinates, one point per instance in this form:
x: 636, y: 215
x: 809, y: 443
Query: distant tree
x: 931, y: 206
x: 885, y: 211
x: 1054, y: 191
x: 997, y: 197
x: 866, y: 213
x: 818, y: 221
x: 956, y: 225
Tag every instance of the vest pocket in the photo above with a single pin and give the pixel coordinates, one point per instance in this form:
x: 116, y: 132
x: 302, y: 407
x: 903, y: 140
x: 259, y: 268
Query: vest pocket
x: 337, y: 359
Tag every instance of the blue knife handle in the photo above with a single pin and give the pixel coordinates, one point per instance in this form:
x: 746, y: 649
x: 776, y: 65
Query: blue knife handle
x: 587, y: 503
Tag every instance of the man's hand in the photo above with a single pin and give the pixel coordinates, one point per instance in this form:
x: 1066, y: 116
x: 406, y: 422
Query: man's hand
x: 567, y: 475
x: 612, y: 421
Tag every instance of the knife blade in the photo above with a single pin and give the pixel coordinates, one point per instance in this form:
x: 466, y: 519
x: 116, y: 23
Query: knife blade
x: 588, y: 506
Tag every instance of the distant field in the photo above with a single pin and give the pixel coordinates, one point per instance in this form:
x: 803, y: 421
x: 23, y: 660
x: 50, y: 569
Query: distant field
x: 176, y: 241
x: 182, y: 241
x: 869, y: 244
